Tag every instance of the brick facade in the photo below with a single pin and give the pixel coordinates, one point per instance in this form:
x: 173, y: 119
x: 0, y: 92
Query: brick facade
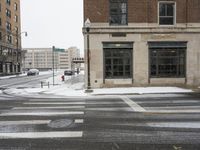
x: 143, y: 11
x: 10, y: 61
x: 143, y: 28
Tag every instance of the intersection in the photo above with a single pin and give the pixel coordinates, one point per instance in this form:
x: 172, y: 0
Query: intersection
x: 151, y: 121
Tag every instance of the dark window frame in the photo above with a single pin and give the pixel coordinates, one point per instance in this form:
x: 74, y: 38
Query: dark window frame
x: 171, y: 60
x: 8, y: 2
x: 8, y: 26
x: 9, y: 39
x: 116, y: 18
x: 165, y: 17
x: 119, y: 61
x: 8, y: 13
x: 15, y: 6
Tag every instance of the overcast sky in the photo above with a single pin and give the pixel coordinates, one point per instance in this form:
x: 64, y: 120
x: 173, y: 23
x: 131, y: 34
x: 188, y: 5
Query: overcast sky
x: 52, y: 22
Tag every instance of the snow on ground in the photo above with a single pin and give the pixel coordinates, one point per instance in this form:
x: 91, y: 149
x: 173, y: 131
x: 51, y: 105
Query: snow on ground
x: 71, y: 88
x: 11, y: 76
x: 25, y: 74
x: 140, y: 90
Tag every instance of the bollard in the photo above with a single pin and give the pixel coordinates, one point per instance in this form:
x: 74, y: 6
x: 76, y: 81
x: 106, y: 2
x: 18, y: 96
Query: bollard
x: 41, y: 84
x: 48, y: 85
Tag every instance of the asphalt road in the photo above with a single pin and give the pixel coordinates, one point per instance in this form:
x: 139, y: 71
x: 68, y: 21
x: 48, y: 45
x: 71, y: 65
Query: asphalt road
x: 140, y: 122
x: 23, y: 81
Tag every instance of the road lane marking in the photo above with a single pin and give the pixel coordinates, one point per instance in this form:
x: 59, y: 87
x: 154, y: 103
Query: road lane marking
x: 174, y: 111
x: 72, y: 103
x: 175, y: 124
x: 25, y: 122
x: 54, y: 103
x: 42, y: 113
x: 78, y: 121
x: 55, y: 107
x: 37, y: 135
x: 168, y: 101
x: 132, y: 104
x: 57, y: 100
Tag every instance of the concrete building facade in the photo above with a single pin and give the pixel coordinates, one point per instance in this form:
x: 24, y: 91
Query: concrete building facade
x: 42, y: 58
x: 10, y: 37
x: 143, y: 42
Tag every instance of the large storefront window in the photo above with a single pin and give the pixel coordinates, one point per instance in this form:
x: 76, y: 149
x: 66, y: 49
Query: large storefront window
x: 167, y: 60
x: 117, y: 60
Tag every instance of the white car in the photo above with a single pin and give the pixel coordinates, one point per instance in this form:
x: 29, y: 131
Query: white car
x: 33, y: 72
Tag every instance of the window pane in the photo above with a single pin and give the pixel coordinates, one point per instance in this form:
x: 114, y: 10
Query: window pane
x: 162, y: 10
x: 118, y: 63
x: 166, y: 13
x: 123, y: 8
x: 170, y: 10
x: 118, y: 12
x: 108, y: 61
x: 166, y: 20
x: 167, y: 63
x: 127, y: 61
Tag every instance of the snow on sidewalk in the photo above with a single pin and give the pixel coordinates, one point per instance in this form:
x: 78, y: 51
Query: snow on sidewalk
x: 69, y: 88
x: 140, y: 90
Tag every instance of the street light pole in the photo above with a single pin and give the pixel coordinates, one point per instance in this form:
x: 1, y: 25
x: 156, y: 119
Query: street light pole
x: 87, y: 27
x: 53, y: 49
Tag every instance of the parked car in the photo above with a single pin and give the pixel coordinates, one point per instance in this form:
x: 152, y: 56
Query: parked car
x: 33, y: 72
x: 69, y: 72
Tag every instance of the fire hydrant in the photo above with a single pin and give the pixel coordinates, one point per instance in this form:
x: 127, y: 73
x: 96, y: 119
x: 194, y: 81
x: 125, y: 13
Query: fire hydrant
x: 63, y: 78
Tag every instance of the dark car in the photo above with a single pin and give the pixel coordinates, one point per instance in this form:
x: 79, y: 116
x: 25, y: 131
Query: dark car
x: 33, y: 72
x: 69, y: 72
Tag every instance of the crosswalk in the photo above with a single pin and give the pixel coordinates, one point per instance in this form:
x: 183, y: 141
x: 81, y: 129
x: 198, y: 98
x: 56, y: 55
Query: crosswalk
x: 4, y: 97
x: 24, y: 120
x: 73, y: 118
x: 167, y: 104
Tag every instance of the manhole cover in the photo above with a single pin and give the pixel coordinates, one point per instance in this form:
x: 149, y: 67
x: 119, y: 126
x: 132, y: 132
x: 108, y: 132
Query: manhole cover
x: 62, y: 123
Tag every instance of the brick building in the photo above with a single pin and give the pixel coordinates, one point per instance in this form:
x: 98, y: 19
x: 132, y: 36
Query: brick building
x: 143, y: 42
x: 10, y: 37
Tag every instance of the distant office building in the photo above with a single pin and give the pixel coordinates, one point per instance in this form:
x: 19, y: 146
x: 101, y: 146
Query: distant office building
x: 42, y: 58
x: 73, y: 52
x: 10, y: 37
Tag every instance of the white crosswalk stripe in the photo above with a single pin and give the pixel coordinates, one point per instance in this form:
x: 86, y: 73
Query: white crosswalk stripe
x: 54, y: 107
x: 73, y: 110
x: 132, y: 104
x: 167, y: 105
x: 42, y: 113
x: 37, y: 135
x: 24, y: 122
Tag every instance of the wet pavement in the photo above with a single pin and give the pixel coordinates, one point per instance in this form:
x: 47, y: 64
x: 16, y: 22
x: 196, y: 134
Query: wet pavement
x: 149, y: 122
